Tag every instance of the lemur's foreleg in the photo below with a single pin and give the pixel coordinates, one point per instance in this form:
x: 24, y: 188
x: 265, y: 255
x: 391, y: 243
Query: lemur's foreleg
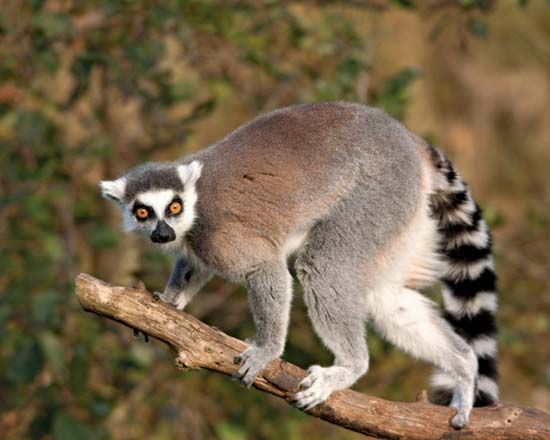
x: 185, y: 281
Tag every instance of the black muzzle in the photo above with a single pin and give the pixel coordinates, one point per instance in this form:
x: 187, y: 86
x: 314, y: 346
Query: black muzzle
x: 163, y: 233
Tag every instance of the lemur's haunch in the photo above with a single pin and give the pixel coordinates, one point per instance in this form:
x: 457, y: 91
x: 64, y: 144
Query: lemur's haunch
x: 373, y: 214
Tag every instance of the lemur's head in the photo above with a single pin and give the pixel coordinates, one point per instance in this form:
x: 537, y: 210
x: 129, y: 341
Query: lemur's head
x: 157, y: 199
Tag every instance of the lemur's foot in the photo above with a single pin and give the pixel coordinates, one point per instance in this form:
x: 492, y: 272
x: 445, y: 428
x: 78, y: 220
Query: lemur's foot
x: 316, y: 386
x: 253, y: 360
x: 460, y: 419
x: 462, y: 416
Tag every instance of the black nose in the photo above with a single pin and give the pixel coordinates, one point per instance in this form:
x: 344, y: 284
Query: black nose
x: 163, y: 233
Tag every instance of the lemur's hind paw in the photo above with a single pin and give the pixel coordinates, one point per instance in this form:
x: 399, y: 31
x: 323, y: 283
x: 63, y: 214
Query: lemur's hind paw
x: 460, y: 420
x: 462, y: 416
x: 316, y: 389
x: 253, y: 360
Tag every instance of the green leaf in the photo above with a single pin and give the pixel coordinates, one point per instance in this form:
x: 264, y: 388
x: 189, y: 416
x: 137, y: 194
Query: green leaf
x: 477, y: 28
x: 101, y: 237
x: 230, y: 431
x: 348, y: 70
x: 38, y: 210
x: 81, y: 68
x: 144, y: 55
x: 26, y: 362
x: 296, y: 33
x: 78, y: 369
x: 493, y: 217
x: 41, y: 425
x: 36, y: 4
x: 67, y: 427
x: 4, y: 314
x: 53, y: 351
x: 52, y: 246
x: 48, y: 58
x: 52, y: 24
x: 405, y: 3
x: 483, y: 5
x: 99, y: 407
x: 35, y: 129
x: 395, y: 97
x: 43, y: 306
x: 182, y: 91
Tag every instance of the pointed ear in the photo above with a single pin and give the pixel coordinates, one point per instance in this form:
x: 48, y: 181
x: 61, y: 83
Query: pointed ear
x: 113, y: 189
x: 190, y: 173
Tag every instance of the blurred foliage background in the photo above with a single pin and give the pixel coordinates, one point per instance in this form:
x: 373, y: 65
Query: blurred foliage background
x: 88, y: 89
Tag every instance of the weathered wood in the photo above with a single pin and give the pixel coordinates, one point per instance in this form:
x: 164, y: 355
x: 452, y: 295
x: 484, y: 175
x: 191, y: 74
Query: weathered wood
x: 201, y: 346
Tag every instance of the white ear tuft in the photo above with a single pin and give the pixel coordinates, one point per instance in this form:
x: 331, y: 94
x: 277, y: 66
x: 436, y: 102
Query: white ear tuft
x: 190, y: 173
x: 113, y: 189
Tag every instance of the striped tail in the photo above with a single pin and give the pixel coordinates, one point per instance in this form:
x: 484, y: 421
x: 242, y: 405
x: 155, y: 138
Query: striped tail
x: 469, y: 282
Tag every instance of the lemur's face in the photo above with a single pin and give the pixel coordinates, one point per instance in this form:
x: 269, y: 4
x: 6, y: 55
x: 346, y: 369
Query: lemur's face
x: 157, y: 200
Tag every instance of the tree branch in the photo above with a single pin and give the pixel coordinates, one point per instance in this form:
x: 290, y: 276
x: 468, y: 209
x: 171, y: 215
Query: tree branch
x: 201, y: 346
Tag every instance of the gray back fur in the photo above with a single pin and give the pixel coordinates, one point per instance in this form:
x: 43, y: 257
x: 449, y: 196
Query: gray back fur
x: 290, y: 168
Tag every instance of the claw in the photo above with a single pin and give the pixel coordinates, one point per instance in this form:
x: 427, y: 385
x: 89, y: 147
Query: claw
x: 240, y: 378
x: 136, y: 335
x: 251, y: 362
x: 243, y: 374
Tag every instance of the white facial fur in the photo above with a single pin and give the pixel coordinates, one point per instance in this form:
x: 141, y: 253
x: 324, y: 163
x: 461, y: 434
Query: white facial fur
x: 159, y: 200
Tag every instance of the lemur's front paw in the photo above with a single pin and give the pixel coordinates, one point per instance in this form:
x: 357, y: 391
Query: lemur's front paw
x: 160, y: 296
x: 253, y: 360
x: 178, y: 300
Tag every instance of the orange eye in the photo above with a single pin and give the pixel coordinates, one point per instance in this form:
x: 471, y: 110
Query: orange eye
x: 175, y: 208
x: 142, y: 213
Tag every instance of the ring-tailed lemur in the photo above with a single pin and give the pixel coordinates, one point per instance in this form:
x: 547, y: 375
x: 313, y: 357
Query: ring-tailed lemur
x: 373, y: 213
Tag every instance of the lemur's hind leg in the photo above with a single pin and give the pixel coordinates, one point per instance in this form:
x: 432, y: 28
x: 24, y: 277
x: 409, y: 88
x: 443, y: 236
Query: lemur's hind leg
x: 338, y: 316
x: 410, y: 321
x: 269, y: 296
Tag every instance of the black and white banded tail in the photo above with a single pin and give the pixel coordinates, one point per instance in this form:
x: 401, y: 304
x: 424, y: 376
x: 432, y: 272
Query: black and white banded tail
x: 469, y: 282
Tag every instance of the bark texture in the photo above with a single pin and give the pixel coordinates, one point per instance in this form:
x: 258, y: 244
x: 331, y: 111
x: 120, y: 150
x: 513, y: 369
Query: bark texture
x: 201, y: 346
